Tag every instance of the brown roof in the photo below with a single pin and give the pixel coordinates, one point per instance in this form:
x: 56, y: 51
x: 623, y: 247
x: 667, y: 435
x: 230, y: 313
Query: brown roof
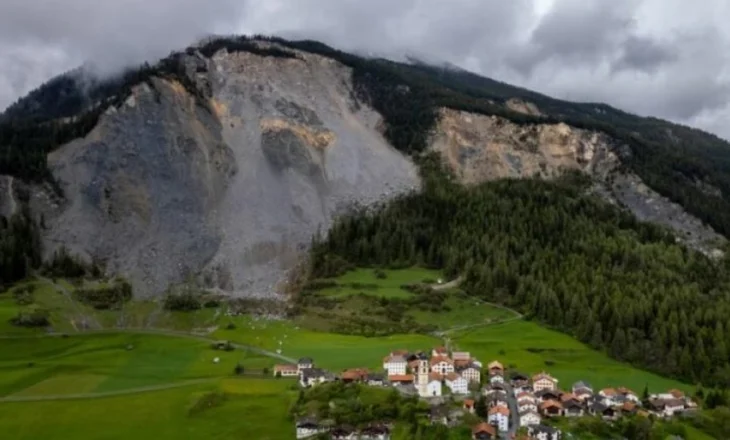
x: 499, y: 410
x: 468, y: 403
x: 543, y: 375
x: 452, y: 376
x: 550, y: 404
x: 525, y: 394
x: 354, y: 373
x: 437, y: 359
x: 674, y: 402
x: 435, y: 376
x: 628, y: 406
x: 441, y: 350
x: 567, y: 396
x: 484, y: 427
x: 624, y: 391
x: 676, y: 393
x: 608, y: 392
x: 399, y: 353
x: 461, y: 362
x: 285, y: 367
x: 496, y: 364
x: 401, y: 378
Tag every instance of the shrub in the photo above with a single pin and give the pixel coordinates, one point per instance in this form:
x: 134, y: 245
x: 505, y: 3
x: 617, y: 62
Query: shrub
x: 380, y: 274
x: 212, y: 304
x: 103, y: 298
x: 34, y: 317
x: 24, y: 295
x: 549, y: 362
x: 184, y: 302
x: 320, y: 284
x: 238, y: 370
x: 231, y: 326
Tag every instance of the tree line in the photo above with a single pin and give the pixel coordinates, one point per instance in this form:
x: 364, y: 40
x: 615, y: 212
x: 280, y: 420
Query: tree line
x: 564, y: 258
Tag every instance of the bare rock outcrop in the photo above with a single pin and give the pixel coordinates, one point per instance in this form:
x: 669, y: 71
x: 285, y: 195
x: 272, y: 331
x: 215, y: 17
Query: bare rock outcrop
x: 480, y: 148
x: 230, y: 189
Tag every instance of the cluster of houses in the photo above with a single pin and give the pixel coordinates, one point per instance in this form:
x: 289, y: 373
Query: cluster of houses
x: 427, y: 372
x: 519, y: 401
x: 307, y: 428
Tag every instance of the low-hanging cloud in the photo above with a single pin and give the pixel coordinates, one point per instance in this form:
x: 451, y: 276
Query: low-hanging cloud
x: 667, y: 58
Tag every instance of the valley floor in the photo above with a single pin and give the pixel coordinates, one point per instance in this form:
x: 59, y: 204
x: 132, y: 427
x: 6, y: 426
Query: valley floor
x: 117, y: 382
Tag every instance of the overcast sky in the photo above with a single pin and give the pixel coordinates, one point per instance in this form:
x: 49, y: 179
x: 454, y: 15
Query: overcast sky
x: 667, y: 58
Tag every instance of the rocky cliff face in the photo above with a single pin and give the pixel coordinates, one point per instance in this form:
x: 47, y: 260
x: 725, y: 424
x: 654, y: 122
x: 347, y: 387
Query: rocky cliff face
x: 480, y: 148
x: 167, y: 187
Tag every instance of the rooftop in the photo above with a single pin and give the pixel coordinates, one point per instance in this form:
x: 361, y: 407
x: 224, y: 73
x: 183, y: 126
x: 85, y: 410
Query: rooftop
x: 499, y: 410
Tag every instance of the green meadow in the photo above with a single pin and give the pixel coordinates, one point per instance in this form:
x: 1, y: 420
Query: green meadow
x: 527, y: 347
x: 365, y: 281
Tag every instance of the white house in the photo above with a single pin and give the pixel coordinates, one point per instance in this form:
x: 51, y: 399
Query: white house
x: 499, y: 416
x: 442, y: 365
x: 433, y: 388
x: 527, y: 405
x: 666, y: 407
x: 457, y: 384
x: 461, y: 356
x: 313, y: 376
x: 308, y: 428
x: 543, y: 432
x: 395, y: 364
x: 607, y: 396
x: 304, y: 363
x: 528, y: 418
x: 471, y: 373
x: 286, y: 370
x: 544, y: 381
x: 497, y: 378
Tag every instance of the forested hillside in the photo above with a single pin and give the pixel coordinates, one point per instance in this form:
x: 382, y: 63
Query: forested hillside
x: 566, y: 259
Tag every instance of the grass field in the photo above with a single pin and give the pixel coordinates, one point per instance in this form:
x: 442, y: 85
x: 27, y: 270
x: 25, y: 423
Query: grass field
x: 388, y: 287
x: 463, y: 311
x: 254, y: 408
x: 529, y: 348
x: 101, y: 363
x: 329, y: 350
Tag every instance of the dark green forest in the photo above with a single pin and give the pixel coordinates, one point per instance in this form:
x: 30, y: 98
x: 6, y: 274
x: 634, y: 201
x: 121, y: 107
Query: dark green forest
x: 564, y: 258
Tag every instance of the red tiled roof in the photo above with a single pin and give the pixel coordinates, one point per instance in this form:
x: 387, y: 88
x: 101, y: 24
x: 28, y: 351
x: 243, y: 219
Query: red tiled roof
x: 499, y: 410
x: 468, y: 403
x: 484, y: 427
x: 452, y: 376
x: 625, y: 391
x: 676, y: 393
x: 435, y: 376
x: 550, y: 404
x: 438, y: 359
x: 568, y: 396
x: 285, y: 367
x: 608, y: 392
x: 401, y: 378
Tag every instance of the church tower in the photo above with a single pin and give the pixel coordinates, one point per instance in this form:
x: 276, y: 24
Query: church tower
x: 422, y: 376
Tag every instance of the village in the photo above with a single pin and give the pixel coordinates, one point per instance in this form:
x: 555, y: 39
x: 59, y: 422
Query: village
x: 510, y: 404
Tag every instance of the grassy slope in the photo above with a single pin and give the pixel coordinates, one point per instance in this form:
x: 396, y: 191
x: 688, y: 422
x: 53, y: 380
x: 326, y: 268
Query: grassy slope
x: 255, y: 409
x: 388, y: 287
x: 572, y: 361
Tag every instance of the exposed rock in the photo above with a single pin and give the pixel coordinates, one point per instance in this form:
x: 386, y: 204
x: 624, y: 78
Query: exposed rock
x: 229, y: 189
x: 480, y: 148
x: 521, y: 106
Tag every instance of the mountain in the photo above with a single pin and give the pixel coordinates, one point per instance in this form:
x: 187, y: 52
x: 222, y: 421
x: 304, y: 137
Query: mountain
x: 220, y: 162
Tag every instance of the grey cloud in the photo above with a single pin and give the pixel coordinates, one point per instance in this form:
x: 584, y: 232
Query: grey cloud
x: 660, y: 57
x: 643, y: 54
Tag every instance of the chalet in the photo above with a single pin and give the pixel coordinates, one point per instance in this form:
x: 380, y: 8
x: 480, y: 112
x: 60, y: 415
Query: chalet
x: 483, y: 431
x: 461, y: 355
x: 666, y: 407
x: 456, y: 383
x: 496, y: 400
x: 313, y: 376
x: 499, y: 416
x: 519, y: 380
x: 469, y: 406
x: 525, y: 395
x: 494, y: 388
x: 551, y: 408
x: 470, y: 372
x: 305, y: 363
x: 343, y: 433
x: 375, y: 432
x: 354, y: 375
x: 573, y: 408
x: 527, y: 404
x: 582, y: 386
x: 440, y: 351
x: 395, y: 364
x: 375, y: 379
x: 400, y: 379
x: 495, y: 367
x: 604, y: 411
x: 544, y: 432
x: 628, y: 409
x: 528, y: 418
x: 308, y: 428
x: 496, y: 378
x: 628, y: 394
x: 442, y: 364
x: 583, y: 394
x: 286, y: 370
x: 544, y: 381
x: 547, y: 394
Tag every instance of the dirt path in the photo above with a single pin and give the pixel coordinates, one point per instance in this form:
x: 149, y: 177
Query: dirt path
x: 106, y: 394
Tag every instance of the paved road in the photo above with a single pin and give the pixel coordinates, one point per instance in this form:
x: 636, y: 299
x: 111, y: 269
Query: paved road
x: 106, y: 394
x: 514, y: 411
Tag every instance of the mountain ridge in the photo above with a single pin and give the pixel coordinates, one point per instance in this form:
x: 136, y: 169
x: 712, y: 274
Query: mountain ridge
x: 321, y: 130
